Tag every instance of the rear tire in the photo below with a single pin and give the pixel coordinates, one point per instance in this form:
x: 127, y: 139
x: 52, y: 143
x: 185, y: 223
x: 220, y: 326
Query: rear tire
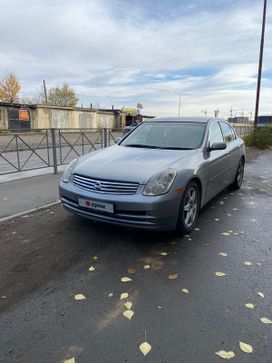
x: 239, y: 175
x: 189, y: 209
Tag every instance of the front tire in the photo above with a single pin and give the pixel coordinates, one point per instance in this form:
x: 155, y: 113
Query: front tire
x: 189, y: 209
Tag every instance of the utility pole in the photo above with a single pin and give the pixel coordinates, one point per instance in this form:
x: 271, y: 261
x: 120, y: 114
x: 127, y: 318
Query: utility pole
x: 45, y: 91
x: 260, y: 66
x: 179, y: 105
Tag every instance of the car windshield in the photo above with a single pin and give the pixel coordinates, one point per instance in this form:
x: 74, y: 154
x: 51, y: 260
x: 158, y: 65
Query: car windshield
x: 166, y: 135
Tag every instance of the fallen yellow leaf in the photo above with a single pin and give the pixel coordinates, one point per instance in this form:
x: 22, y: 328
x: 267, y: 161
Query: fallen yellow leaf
x: 124, y: 295
x: 249, y: 306
x: 261, y: 294
x: 95, y: 258
x: 248, y: 263
x: 225, y: 355
x: 266, y: 321
x: 131, y: 270
x: 71, y: 360
x: 79, y: 297
x: 145, y: 348
x: 91, y: 268
x: 128, y: 305
x: 128, y: 314
x: 146, y: 267
x: 172, y: 276
x: 247, y: 348
x: 186, y: 291
x: 125, y: 279
x: 220, y: 274
x: 223, y: 254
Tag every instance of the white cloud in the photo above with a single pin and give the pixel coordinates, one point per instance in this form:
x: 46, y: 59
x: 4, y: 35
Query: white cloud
x: 125, y: 56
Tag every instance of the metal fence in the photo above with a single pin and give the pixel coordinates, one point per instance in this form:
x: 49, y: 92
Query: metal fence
x: 43, y: 148
x: 243, y: 129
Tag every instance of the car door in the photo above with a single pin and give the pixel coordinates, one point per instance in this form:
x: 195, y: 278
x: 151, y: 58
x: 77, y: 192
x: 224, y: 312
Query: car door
x: 233, y: 153
x: 217, y: 174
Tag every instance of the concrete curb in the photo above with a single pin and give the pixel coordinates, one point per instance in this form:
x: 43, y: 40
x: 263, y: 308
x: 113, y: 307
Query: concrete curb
x: 8, y: 218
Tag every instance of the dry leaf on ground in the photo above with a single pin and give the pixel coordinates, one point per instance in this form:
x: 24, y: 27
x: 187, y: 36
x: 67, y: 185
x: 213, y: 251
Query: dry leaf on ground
x: 91, y: 268
x: 70, y: 360
x: 110, y: 294
x: 172, y: 276
x: 261, y: 294
x: 131, y: 270
x: 145, y: 348
x: 248, y: 263
x: 128, y: 314
x: 79, y: 297
x: 225, y: 233
x: 186, y: 291
x: 249, y: 306
x: 247, y: 348
x: 128, y: 305
x: 225, y: 355
x: 220, y: 274
x: 124, y: 295
x: 146, y: 267
x: 126, y: 279
x: 163, y: 253
x: 266, y: 320
x: 223, y: 254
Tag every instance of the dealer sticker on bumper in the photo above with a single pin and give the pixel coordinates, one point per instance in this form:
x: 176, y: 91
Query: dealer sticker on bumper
x: 96, y: 205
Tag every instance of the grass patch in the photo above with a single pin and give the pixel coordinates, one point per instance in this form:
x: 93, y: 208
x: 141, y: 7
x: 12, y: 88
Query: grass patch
x: 260, y: 138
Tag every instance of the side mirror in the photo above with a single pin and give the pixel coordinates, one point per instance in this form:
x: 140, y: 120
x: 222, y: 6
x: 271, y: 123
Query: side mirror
x: 217, y: 146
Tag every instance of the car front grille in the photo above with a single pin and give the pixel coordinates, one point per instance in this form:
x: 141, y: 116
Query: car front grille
x: 105, y: 186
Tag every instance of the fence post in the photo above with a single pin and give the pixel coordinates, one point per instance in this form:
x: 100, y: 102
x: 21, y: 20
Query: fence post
x: 105, y: 141
x: 54, y: 150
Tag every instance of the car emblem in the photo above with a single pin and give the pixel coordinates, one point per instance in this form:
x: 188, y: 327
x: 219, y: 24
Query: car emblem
x: 97, y: 186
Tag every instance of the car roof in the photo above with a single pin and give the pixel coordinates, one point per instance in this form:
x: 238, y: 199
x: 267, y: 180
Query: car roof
x: 200, y: 119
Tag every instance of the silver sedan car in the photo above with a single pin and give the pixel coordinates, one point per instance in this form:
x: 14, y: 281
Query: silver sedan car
x: 158, y: 176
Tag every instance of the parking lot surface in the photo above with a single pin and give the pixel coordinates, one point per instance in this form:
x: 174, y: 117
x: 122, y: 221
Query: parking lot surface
x: 188, y: 294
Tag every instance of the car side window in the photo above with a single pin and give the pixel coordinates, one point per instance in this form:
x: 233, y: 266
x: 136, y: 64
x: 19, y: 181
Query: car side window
x: 227, y: 132
x: 215, y: 134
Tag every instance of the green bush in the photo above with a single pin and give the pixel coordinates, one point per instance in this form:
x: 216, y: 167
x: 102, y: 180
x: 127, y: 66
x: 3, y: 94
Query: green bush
x: 261, y: 138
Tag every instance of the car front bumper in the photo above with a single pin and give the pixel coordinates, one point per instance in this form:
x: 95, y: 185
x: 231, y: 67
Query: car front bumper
x: 137, y: 210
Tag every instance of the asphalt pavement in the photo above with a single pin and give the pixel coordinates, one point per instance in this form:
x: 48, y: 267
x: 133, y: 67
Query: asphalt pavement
x: 188, y: 294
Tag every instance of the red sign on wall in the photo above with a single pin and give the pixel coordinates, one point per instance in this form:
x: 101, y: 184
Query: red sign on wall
x: 23, y: 115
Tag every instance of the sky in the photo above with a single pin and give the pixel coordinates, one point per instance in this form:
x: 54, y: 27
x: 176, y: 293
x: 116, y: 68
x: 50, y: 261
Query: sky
x: 121, y: 52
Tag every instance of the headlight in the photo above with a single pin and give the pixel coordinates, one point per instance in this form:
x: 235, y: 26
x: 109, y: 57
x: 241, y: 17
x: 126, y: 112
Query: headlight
x: 68, y: 172
x: 160, y: 183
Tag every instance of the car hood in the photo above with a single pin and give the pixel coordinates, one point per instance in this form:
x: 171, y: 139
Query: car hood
x: 129, y: 164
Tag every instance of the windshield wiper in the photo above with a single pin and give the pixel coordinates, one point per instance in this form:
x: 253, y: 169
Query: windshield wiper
x: 177, y: 148
x: 143, y: 146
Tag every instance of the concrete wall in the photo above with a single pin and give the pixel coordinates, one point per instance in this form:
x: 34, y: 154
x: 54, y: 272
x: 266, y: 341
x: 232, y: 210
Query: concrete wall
x: 44, y: 117
x: 47, y: 117
x: 3, y: 118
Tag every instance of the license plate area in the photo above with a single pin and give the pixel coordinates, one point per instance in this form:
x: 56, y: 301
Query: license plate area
x: 96, y: 205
